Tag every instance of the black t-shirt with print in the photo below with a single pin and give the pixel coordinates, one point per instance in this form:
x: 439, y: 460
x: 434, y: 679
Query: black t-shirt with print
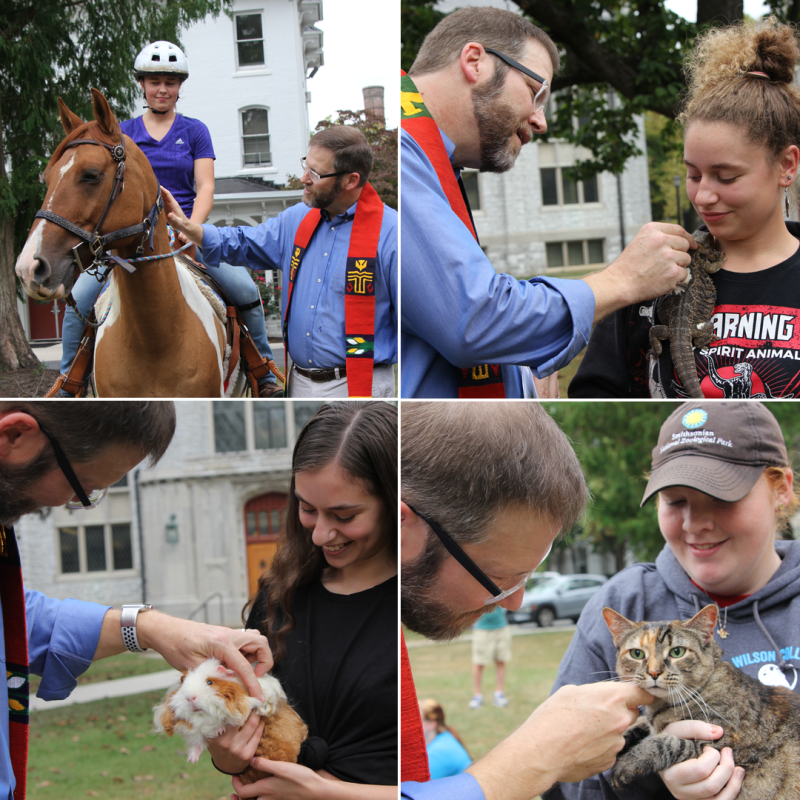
x: 756, y: 353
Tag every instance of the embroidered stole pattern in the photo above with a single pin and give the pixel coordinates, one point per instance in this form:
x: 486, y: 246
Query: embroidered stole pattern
x: 485, y: 380
x: 359, y: 291
x: 12, y: 597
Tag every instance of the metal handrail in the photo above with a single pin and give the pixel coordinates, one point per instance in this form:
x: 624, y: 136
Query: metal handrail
x: 204, y: 607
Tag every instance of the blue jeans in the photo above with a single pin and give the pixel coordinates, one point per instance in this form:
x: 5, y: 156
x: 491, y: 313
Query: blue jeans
x: 235, y: 281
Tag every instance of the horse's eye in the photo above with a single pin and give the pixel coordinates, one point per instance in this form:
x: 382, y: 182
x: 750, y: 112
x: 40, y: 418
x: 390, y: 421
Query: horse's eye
x: 91, y: 176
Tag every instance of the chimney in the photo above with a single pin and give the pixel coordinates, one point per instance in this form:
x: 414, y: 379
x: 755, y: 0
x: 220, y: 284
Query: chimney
x: 373, y: 103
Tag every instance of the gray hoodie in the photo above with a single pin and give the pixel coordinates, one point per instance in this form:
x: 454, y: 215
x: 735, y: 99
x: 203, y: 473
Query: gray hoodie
x: 763, y: 639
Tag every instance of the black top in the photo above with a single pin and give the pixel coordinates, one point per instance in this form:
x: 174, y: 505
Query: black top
x: 756, y: 355
x: 340, y: 675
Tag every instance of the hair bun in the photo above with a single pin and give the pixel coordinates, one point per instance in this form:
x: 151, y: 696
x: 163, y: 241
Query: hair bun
x: 776, y: 51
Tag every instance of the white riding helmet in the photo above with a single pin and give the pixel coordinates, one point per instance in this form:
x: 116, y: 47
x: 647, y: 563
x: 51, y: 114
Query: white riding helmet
x: 161, y: 58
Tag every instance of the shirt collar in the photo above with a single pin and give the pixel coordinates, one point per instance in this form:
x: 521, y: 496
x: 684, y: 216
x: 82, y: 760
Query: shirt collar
x: 450, y: 148
x: 341, y: 218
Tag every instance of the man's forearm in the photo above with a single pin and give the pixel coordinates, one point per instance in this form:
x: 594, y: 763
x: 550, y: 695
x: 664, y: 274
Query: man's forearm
x: 110, y: 642
x: 609, y: 296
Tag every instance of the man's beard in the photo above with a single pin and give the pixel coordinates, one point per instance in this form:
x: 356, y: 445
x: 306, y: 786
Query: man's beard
x: 14, y: 481
x: 497, y: 125
x: 323, y: 198
x: 420, y: 612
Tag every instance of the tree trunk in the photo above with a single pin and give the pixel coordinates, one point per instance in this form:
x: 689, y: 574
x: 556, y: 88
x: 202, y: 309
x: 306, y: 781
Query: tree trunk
x: 15, y: 351
x: 720, y: 12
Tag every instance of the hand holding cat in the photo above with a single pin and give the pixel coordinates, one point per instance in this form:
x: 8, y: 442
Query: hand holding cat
x: 713, y: 775
x: 575, y: 733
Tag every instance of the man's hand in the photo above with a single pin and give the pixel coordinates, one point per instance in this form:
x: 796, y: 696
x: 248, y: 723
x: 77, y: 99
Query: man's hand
x: 574, y: 734
x: 185, y: 644
x: 713, y: 775
x: 193, y: 231
x: 651, y: 265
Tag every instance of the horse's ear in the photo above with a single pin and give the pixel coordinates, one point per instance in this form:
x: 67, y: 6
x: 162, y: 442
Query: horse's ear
x: 69, y: 120
x: 104, y: 115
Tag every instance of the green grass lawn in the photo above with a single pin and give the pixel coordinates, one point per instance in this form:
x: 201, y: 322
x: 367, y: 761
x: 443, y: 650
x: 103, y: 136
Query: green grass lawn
x: 445, y: 673
x: 105, y: 749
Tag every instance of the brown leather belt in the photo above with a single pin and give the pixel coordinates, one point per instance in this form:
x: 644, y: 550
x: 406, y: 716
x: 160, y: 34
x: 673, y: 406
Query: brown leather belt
x: 322, y: 375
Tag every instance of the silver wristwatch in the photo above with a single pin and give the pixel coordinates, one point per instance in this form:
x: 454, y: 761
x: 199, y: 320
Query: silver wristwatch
x: 128, y: 624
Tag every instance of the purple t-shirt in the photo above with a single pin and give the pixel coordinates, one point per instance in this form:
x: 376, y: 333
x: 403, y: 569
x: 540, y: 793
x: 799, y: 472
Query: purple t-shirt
x: 172, y: 159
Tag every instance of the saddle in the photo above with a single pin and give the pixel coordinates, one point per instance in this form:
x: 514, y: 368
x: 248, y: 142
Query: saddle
x: 237, y: 337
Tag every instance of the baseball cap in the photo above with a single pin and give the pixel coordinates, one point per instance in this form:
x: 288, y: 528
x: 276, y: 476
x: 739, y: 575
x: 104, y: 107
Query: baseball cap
x: 718, y: 448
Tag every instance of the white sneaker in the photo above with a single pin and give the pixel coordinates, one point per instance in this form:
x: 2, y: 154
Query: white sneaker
x: 500, y: 700
x: 476, y: 702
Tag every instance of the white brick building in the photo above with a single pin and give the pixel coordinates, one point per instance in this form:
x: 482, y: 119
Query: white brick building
x: 202, y: 523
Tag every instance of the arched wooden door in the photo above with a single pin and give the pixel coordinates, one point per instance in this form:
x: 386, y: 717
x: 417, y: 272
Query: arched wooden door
x: 263, y: 521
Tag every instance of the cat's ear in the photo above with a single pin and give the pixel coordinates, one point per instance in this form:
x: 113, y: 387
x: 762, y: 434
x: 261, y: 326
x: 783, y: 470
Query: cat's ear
x: 617, y: 624
x: 703, y: 622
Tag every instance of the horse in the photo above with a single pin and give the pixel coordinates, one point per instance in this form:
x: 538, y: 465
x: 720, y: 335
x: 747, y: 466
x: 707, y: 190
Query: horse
x: 161, y: 337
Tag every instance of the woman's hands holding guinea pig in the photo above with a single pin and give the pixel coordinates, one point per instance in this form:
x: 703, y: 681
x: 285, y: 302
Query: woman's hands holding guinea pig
x: 231, y: 751
x: 185, y: 644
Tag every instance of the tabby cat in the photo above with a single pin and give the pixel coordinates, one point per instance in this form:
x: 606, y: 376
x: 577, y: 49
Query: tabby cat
x: 681, y: 665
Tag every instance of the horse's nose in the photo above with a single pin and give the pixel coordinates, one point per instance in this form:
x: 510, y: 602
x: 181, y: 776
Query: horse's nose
x: 41, y: 272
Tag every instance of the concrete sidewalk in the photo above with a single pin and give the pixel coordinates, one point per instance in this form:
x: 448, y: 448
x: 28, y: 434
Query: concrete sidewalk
x: 122, y: 687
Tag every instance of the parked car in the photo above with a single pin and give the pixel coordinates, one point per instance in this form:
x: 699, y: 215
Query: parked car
x: 555, y: 598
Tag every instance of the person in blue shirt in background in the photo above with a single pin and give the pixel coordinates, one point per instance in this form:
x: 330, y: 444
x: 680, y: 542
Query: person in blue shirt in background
x: 54, y: 453
x: 482, y: 75
x: 447, y: 754
x: 181, y: 154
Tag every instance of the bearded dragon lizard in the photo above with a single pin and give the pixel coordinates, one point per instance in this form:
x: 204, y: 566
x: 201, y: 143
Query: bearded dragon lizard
x: 685, y: 313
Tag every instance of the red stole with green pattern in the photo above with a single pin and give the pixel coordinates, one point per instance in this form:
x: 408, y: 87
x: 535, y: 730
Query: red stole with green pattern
x: 12, y: 597
x: 485, y: 380
x: 359, y: 290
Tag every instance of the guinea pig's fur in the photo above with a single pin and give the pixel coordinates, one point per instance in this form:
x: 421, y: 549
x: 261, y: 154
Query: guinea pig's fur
x: 210, y: 697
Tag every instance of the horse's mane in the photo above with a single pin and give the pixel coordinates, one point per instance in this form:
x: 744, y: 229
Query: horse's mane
x: 89, y: 130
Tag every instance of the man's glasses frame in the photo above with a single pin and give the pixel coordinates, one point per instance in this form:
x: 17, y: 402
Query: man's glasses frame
x: 497, y: 594
x: 543, y: 95
x: 315, y: 176
x: 84, y: 501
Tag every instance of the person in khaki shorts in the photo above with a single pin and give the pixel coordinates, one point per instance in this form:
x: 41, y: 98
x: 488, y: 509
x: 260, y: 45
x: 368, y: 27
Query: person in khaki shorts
x: 491, y: 642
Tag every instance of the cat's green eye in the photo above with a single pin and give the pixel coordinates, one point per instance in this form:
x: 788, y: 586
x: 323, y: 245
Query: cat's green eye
x: 677, y: 652
x: 636, y: 654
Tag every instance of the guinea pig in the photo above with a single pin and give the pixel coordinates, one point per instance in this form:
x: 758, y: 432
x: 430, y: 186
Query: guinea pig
x: 210, y: 697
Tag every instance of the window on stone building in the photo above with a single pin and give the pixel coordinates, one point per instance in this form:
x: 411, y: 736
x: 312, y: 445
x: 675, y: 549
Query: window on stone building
x: 249, y: 40
x: 559, y: 190
x: 269, y: 425
x: 255, y: 138
x: 95, y: 548
x: 471, y: 181
x: 229, y: 433
x: 303, y: 411
x: 575, y: 253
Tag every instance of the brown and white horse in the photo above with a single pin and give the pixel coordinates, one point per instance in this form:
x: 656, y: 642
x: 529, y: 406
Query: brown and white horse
x: 161, y: 337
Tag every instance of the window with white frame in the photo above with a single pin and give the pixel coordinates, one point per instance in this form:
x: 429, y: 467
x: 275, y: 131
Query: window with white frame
x: 249, y: 40
x: 255, y: 137
x: 557, y: 188
x: 255, y: 425
x: 575, y: 253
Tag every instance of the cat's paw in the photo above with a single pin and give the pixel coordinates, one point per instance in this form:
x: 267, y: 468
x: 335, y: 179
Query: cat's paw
x: 625, y: 771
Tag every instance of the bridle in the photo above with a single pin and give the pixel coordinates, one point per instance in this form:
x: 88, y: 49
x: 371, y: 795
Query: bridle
x: 97, y: 243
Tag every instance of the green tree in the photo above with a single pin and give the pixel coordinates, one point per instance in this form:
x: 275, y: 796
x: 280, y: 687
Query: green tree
x: 635, y: 48
x: 614, y: 442
x: 62, y: 48
x: 384, y: 150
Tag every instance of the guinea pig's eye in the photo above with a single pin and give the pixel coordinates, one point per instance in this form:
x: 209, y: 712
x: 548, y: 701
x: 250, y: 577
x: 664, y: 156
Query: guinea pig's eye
x: 209, y: 682
x: 182, y: 677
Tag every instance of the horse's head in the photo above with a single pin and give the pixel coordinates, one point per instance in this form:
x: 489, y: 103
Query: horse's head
x: 79, y: 182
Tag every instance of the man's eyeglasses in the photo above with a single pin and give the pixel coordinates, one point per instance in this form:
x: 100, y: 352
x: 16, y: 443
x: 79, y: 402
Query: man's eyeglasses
x: 84, y: 500
x: 543, y: 95
x: 497, y: 594
x: 315, y: 176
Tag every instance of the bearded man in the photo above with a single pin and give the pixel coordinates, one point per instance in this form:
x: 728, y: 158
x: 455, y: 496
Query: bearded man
x: 475, y: 94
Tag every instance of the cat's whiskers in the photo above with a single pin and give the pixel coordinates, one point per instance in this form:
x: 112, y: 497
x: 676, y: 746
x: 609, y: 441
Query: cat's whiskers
x: 698, y: 698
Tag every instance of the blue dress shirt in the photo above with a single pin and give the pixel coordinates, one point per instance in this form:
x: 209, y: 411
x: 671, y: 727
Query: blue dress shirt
x: 316, y: 323
x: 459, y: 787
x: 458, y: 312
x: 62, y: 639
